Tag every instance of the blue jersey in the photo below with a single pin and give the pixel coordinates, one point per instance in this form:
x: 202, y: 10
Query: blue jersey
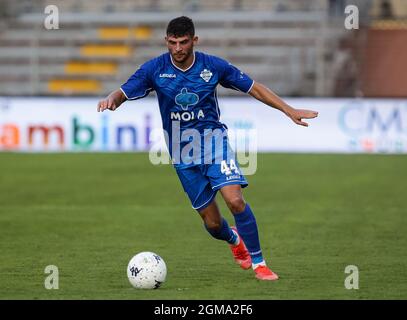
x: 186, y: 97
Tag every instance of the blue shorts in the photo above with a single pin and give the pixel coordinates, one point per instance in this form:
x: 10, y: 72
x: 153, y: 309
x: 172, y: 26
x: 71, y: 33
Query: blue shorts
x: 201, y: 182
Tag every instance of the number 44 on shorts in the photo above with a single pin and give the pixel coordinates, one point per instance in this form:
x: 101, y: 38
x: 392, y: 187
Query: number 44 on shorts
x: 225, y: 169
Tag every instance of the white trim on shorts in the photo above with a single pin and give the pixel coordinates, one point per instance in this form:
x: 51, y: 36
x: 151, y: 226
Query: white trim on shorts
x: 210, y: 199
x: 242, y: 182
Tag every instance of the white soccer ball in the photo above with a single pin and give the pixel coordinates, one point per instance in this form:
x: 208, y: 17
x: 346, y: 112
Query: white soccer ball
x: 146, y: 270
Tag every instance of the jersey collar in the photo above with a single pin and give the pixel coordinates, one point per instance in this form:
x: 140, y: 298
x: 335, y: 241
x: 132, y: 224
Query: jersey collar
x: 183, y: 70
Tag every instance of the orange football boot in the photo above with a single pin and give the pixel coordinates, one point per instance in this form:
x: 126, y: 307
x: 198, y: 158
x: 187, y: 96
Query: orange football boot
x: 264, y: 273
x: 240, y: 253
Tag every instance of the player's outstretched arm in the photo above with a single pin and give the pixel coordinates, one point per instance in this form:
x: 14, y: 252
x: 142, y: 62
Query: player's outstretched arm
x: 265, y: 95
x: 112, y: 101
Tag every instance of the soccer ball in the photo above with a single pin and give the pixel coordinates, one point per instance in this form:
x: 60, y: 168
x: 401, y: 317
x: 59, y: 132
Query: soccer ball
x: 146, y: 270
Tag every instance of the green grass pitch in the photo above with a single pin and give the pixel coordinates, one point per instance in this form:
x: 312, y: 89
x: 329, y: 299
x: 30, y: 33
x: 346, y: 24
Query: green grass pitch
x: 88, y: 214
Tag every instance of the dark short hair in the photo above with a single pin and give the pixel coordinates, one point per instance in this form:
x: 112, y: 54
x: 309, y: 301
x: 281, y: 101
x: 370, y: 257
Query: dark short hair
x: 180, y: 27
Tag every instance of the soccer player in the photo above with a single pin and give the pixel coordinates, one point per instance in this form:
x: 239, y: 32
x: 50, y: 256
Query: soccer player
x: 185, y: 82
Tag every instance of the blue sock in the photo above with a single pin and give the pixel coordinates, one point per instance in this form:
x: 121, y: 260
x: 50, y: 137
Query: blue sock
x: 224, y: 233
x: 247, y: 227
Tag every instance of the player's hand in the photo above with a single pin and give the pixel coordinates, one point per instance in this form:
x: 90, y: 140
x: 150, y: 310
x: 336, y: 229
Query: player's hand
x: 107, y: 103
x: 297, y: 115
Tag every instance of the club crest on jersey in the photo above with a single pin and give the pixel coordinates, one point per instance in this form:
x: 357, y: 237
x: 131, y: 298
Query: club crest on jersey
x: 206, y: 75
x: 186, y: 99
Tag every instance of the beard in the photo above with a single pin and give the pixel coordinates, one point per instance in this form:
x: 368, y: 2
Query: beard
x: 180, y: 58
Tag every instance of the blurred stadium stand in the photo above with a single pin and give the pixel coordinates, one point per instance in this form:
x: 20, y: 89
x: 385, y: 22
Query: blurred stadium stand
x: 298, y: 48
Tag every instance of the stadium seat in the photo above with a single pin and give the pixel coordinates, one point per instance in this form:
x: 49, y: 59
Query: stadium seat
x: 122, y: 33
x: 74, y: 67
x: 109, y: 33
x: 142, y: 33
x: 71, y: 86
x: 105, y: 50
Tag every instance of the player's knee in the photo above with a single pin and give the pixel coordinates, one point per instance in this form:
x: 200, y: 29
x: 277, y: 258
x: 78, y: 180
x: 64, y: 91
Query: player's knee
x: 236, y: 204
x: 212, y: 224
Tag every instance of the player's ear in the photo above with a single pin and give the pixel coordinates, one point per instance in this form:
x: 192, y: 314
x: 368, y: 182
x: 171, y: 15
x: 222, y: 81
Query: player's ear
x: 195, y: 40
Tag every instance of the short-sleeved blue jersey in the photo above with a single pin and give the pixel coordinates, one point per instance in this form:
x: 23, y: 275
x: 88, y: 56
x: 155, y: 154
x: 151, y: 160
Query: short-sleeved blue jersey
x: 186, y: 96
